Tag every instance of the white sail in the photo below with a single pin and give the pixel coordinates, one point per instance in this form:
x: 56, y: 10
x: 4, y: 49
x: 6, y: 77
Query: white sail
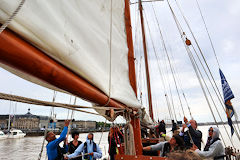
x: 76, y: 33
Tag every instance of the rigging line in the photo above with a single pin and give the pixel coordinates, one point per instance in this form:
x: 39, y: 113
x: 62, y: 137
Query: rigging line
x: 102, y: 132
x: 169, y: 109
x: 204, y: 92
x: 110, y: 59
x: 187, y: 105
x: 9, y: 20
x: 170, y: 90
x: 70, y: 124
x: 180, y: 85
x: 69, y: 103
x: 46, y: 128
x: 171, y: 71
x: 214, y: 90
x: 209, y: 37
x: 45, y: 103
x: 193, y: 64
x: 139, y: 75
x: 214, y: 104
x: 185, y: 19
x: 159, y: 68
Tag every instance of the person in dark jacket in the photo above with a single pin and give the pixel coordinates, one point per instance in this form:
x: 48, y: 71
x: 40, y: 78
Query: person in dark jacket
x: 192, y: 135
x: 162, y: 127
x: 73, y: 145
x: 54, y: 151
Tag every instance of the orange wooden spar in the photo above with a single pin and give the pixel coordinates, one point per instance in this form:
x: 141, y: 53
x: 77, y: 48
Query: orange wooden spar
x: 132, y: 77
x: 19, y: 54
x: 146, y: 61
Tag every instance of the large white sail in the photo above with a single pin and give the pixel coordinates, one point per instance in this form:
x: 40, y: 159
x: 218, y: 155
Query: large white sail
x: 76, y: 33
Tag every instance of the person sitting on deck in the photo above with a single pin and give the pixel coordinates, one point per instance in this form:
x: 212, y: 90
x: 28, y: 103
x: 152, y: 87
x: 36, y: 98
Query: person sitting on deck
x: 175, y: 143
x: 192, y: 134
x: 73, y: 145
x: 215, y: 148
x: 90, y: 150
x: 54, y: 151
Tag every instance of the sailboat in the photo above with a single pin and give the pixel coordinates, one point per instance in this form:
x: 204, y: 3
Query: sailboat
x: 83, y: 48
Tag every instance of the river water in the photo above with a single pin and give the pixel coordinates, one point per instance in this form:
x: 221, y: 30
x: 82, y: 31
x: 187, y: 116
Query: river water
x: 28, y: 148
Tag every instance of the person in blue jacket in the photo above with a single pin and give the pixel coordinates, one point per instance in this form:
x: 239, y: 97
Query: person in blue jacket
x: 90, y: 150
x: 54, y: 151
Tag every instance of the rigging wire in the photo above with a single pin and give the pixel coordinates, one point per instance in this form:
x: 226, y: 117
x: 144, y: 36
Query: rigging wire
x: 170, y: 64
x: 71, y: 118
x: 214, y: 104
x: 193, y: 64
x: 110, y: 58
x: 210, y: 94
x: 159, y: 68
x: 169, y: 87
x: 214, y: 51
x: 69, y: 103
x: 46, y: 128
x: 221, y: 101
x: 209, y: 37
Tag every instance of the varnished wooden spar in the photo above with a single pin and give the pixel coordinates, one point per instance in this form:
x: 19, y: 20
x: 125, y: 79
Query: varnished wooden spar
x: 19, y: 54
x: 146, y: 61
x: 132, y: 77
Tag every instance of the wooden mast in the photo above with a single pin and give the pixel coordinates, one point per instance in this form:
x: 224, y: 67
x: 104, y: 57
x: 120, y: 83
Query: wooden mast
x: 146, y: 61
x: 134, y: 121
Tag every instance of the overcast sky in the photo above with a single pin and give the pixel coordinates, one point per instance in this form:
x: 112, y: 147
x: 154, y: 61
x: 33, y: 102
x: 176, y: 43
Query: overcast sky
x: 222, y: 18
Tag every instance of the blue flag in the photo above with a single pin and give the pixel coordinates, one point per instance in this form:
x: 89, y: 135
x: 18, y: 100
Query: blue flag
x: 228, y: 95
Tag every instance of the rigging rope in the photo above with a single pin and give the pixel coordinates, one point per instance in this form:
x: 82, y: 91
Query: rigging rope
x: 166, y: 52
x: 214, y: 51
x: 46, y: 128
x: 210, y: 94
x: 209, y: 37
x: 70, y: 124
x: 69, y: 103
x: 45, y: 103
x: 219, y: 94
x: 194, y: 66
x: 159, y: 68
x: 9, y: 20
x: 110, y: 61
x: 102, y: 131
